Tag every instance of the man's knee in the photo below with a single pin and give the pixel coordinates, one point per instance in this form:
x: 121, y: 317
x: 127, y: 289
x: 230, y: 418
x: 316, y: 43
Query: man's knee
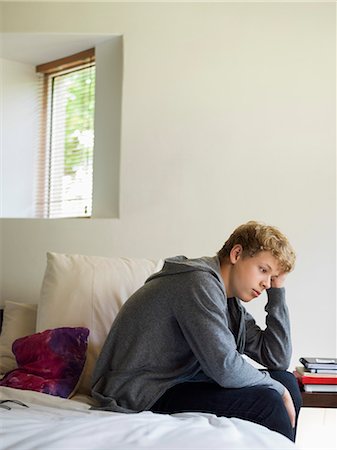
x: 293, y: 388
x: 267, y: 400
x: 272, y: 397
x: 290, y: 382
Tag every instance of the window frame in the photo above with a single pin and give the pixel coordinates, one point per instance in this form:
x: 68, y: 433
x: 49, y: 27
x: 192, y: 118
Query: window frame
x: 49, y: 70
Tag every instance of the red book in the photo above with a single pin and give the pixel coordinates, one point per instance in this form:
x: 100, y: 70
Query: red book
x: 314, y: 378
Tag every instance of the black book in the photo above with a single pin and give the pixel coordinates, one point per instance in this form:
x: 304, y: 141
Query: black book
x: 319, y: 363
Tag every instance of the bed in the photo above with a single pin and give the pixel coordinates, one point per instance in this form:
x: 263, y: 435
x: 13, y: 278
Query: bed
x: 85, y: 293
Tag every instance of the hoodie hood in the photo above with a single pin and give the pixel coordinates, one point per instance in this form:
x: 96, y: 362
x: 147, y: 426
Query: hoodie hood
x: 181, y: 264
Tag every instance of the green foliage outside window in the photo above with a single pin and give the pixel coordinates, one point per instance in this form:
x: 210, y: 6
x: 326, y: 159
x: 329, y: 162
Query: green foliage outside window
x: 79, y: 118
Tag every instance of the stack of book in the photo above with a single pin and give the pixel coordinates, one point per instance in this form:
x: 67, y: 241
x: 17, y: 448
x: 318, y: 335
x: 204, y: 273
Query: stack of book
x: 317, y: 374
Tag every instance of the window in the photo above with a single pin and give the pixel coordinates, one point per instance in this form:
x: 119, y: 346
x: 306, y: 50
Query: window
x: 25, y: 183
x: 67, y: 136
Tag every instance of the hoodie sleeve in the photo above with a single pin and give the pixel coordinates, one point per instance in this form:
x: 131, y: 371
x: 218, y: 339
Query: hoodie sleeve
x: 203, y: 321
x: 270, y: 347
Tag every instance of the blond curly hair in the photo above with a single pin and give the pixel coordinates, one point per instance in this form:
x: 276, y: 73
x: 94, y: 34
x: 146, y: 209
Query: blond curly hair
x: 255, y: 237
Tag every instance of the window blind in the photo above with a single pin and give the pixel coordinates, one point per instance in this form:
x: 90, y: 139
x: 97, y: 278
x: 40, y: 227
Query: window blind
x: 67, y: 138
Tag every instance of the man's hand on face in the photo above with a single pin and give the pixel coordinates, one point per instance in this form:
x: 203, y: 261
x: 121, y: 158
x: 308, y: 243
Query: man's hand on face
x: 279, y: 281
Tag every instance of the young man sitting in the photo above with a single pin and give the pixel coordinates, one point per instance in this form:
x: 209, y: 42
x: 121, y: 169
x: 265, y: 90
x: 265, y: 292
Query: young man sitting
x: 177, y: 343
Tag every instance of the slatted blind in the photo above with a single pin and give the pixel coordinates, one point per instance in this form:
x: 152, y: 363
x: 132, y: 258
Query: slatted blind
x: 67, y: 137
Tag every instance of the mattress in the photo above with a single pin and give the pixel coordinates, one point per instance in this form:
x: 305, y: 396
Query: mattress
x: 42, y: 421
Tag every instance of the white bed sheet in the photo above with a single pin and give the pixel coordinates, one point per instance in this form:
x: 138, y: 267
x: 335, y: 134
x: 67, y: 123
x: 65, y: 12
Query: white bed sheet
x: 55, y: 423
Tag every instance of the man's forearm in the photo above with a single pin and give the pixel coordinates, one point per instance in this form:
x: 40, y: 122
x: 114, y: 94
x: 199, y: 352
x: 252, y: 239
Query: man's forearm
x: 277, y: 337
x: 270, y: 347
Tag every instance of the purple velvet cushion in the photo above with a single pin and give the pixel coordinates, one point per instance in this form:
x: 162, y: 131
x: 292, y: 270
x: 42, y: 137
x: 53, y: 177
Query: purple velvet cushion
x: 50, y: 362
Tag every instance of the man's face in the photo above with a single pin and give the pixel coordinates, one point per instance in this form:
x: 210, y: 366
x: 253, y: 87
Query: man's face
x: 251, y: 275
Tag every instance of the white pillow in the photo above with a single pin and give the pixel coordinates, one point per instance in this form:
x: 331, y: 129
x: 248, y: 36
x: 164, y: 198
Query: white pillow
x: 19, y: 320
x: 88, y: 291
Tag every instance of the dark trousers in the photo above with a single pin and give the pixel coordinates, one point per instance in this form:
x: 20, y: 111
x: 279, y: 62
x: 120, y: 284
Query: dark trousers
x: 258, y: 404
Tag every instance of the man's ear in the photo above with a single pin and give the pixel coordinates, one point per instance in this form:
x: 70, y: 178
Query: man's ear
x: 235, y: 253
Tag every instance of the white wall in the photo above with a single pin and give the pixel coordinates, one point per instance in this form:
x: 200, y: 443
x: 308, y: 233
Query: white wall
x: 20, y: 138
x: 108, y: 105
x: 228, y: 115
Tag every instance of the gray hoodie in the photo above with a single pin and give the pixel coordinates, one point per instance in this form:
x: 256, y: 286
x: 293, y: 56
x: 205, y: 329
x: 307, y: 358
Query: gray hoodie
x: 180, y: 326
